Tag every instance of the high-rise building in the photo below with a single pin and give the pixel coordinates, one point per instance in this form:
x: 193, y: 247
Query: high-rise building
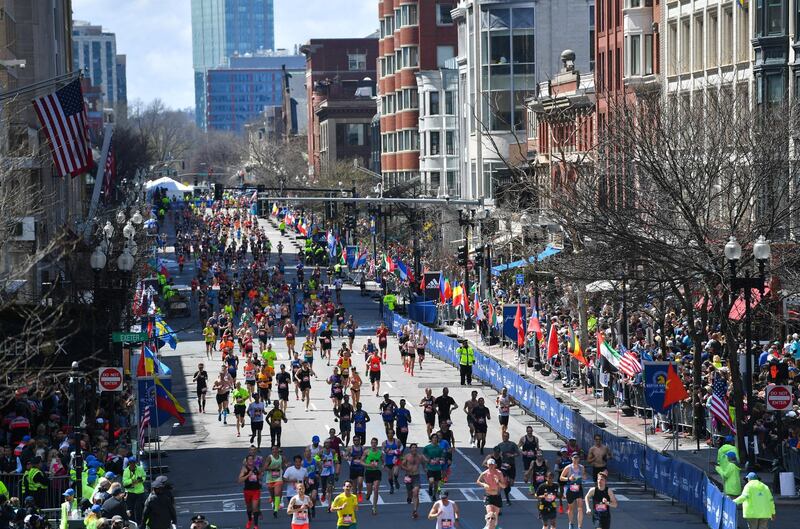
x: 95, y: 54
x: 414, y: 36
x: 340, y: 83
x: 222, y: 29
x: 505, y: 49
x: 238, y: 93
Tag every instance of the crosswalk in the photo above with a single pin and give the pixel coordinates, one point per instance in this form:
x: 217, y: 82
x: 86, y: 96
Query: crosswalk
x: 459, y: 492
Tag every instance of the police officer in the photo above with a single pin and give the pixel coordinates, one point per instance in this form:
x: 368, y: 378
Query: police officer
x: 758, y: 506
x: 466, y: 357
x: 199, y: 522
x: 34, y: 482
x: 133, y: 478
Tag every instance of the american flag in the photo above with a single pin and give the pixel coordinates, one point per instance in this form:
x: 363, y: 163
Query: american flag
x: 629, y: 363
x: 718, y: 403
x: 110, y: 172
x: 63, y: 116
x: 144, y: 423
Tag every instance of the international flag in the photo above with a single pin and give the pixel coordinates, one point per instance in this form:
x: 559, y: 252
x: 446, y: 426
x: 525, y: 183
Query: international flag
x: 148, y: 363
x: 465, y: 302
x: 166, y: 401
x: 478, y: 310
x: 442, y: 298
x: 718, y: 403
x: 165, y: 333
x: 275, y: 210
x: 629, y: 363
x: 331, y: 243
x: 552, y: 341
x: 361, y: 260
x: 458, y: 292
x: 302, y: 229
x: 448, y: 292
x: 492, y: 315
x: 675, y: 391
x: 575, y: 348
x: 519, y: 326
x: 144, y: 424
x: 388, y: 264
x: 109, y: 172
x: 63, y: 116
x: 534, y: 325
x: 608, y: 352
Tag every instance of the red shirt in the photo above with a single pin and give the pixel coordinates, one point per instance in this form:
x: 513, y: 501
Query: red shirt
x: 382, y: 333
x: 374, y: 363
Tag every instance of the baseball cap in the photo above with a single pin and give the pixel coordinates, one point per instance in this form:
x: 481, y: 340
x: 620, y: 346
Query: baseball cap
x: 132, y: 459
x: 117, y: 518
x: 563, y: 450
x: 751, y: 475
x: 110, y: 475
x: 576, y: 455
x: 731, y: 454
x: 729, y: 439
x: 199, y: 518
x: 315, y: 439
x: 96, y: 508
x: 26, y: 438
x: 491, y: 461
x: 69, y: 492
x: 444, y: 494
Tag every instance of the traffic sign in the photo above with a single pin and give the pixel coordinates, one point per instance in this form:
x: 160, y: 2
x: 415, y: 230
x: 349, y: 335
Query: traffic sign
x: 110, y: 379
x: 778, y: 397
x: 470, y: 264
x: 520, y: 279
x: 130, y: 337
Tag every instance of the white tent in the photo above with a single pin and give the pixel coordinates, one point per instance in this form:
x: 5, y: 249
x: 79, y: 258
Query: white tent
x: 173, y: 187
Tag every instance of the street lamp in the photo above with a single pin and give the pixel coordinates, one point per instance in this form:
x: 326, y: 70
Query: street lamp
x: 98, y: 259
x: 136, y: 218
x: 762, y: 253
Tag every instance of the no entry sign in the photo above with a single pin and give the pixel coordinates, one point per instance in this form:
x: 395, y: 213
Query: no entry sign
x: 110, y: 379
x: 779, y: 398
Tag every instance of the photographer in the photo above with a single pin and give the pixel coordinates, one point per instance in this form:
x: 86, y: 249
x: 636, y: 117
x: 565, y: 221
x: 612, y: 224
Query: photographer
x: 159, y: 508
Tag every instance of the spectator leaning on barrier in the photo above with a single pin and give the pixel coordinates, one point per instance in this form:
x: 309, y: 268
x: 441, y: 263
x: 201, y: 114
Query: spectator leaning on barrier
x: 730, y: 474
x: 758, y: 506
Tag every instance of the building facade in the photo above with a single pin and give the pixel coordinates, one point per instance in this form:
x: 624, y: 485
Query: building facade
x: 239, y: 93
x: 95, y: 54
x: 505, y: 49
x: 340, y: 84
x: 438, y: 131
x: 221, y: 29
x: 414, y: 36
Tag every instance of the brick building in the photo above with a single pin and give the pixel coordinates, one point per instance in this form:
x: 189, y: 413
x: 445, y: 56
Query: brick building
x: 340, y: 85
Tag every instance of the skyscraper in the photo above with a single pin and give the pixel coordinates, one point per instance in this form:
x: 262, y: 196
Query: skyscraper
x: 94, y: 52
x: 223, y: 28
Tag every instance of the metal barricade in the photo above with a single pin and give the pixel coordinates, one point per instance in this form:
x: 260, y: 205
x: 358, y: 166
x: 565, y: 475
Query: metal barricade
x: 52, y: 496
x: 791, y: 461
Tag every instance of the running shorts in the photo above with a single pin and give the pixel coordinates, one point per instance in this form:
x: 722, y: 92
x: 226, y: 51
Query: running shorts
x: 372, y: 475
x: 222, y: 397
x: 493, y: 499
x: 374, y: 376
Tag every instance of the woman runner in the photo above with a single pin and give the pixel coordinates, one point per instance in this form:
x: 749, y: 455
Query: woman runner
x: 250, y: 476
x: 274, y: 472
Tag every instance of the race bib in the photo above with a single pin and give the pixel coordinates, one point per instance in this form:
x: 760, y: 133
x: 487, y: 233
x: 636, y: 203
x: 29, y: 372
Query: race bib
x: 447, y: 524
x: 275, y: 473
x: 539, y: 478
x: 600, y: 507
x: 310, y: 481
x: 549, y: 497
x: 503, y: 409
x: 574, y: 487
x: 284, y: 385
x: 301, y: 516
x: 347, y: 519
x: 482, y: 421
x: 404, y: 429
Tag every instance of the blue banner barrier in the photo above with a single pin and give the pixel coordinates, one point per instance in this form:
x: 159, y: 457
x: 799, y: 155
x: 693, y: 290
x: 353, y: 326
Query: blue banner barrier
x: 423, y: 312
x: 677, y: 479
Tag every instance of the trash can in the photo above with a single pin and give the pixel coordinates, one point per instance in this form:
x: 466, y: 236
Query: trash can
x: 787, y: 484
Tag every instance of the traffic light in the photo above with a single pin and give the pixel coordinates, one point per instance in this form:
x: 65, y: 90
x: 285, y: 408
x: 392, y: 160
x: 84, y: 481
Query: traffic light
x: 778, y: 372
x: 218, y: 189
x: 463, y: 255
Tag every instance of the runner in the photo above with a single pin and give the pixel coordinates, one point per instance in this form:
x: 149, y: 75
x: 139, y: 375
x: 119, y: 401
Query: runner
x: 468, y: 407
x: 392, y: 450
x: 264, y: 382
x: 411, y: 353
x: 598, y: 457
x: 445, y: 512
x: 240, y: 396
x: 562, y: 461
x: 374, y: 365
x: 373, y: 462
x: 445, y: 406
x: 402, y: 418
x: 337, y: 391
x: 201, y: 378
x: 282, y: 379
x: 250, y: 476
x: 599, y: 501
x: 312, y: 467
x: 503, y: 405
x: 274, y: 470
x: 351, y: 331
x: 326, y: 342
x: 223, y: 388
x: 428, y: 410
x: 573, y: 477
x: 345, y: 505
x: 355, y: 456
x: 269, y: 355
x: 276, y: 417
x: 410, y: 465
x: 509, y: 452
x: 547, y: 493
x: 250, y: 375
x: 304, y: 378
x: 329, y: 463
x: 355, y: 386
x: 383, y: 337
x: 299, y: 507
x: 529, y: 446
x: 368, y: 348
x: 210, y: 339
x: 388, y: 408
x: 536, y: 472
x: 360, y: 420
x: 433, y: 455
x: 492, y: 481
x: 295, y: 364
x: 308, y: 350
x: 422, y: 342
x: 344, y: 415
x: 256, y: 412
x: 294, y: 477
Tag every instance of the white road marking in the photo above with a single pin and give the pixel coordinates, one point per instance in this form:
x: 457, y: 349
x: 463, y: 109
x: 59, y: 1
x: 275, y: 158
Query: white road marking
x: 389, y: 384
x: 229, y: 506
x: 424, y: 497
x: 468, y: 460
x: 469, y: 495
x: 518, y: 495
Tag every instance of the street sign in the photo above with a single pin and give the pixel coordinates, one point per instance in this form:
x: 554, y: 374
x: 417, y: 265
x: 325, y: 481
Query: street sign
x: 520, y: 279
x: 130, y: 337
x: 778, y: 397
x: 110, y: 379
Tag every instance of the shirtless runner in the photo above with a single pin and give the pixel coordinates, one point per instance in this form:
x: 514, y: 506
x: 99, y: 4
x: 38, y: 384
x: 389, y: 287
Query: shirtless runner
x: 492, y: 481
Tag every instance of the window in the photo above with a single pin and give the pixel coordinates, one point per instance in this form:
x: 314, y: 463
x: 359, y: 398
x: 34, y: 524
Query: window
x: 711, y: 39
x: 591, y: 38
x: 648, y: 54
x: 443, y: 17
x: 685, y: 57
x: 433, y: 104
x: 672, y: 46
x: 408, y: 15
x: 357, y: 62
x: 448, y: 103
x: 409, y: 57
x: 353, y: 134
x: 699, y: 43
x: 435, y: 179
x: 443, y: 53
x: 434, y: 150
x: 634, y: 67
x: 769, y: 17
x: 726, y: 30
x: 422, y: 146
x: 449, y: 142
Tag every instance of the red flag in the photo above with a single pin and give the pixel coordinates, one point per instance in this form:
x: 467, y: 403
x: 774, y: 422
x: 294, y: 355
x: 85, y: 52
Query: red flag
x: 534, y: 325
x: 422, y: 283
x: 675, y: 391
x: 552, y: 342
x: 519, y: 326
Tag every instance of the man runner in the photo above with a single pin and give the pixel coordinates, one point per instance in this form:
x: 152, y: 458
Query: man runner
x: 468, y: 407
x: 445, y: 512
x: 599, y: 501
x: 410, y: 465
x: 492, y: 481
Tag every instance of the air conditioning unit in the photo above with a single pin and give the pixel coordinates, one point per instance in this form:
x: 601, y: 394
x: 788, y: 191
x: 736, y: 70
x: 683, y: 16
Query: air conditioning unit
x: 25, y: 229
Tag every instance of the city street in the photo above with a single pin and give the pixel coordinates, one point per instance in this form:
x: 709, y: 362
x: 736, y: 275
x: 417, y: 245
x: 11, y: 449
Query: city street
x: 204, y: 456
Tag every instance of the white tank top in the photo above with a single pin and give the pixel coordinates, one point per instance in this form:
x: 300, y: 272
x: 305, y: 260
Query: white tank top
x: 446, y: 519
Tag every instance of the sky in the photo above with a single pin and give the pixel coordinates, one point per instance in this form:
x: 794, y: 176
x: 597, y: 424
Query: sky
x: 156, y: 36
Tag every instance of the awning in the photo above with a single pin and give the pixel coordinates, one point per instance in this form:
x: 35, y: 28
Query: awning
x: 737, y: 310
x: 547, y: 252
